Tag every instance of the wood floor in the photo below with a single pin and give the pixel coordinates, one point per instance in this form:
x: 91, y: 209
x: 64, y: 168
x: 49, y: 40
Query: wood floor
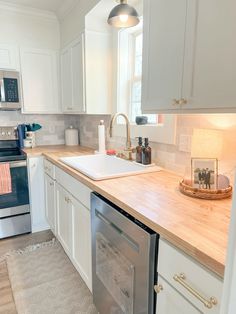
x: 7, y: 305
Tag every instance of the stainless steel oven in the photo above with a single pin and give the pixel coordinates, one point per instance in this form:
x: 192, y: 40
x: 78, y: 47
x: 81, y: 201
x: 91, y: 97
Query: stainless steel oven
x: 124, y: 255
x: 14, y: 206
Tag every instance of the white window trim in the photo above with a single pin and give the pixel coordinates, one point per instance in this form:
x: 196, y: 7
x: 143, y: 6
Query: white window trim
x: 161, y: 133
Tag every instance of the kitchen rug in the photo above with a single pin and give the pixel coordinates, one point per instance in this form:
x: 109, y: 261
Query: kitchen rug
x: 44, y: 281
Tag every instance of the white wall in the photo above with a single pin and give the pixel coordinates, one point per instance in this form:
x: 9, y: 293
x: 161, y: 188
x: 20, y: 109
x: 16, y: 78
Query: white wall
x: 32, y: 30
x: 74, y: 23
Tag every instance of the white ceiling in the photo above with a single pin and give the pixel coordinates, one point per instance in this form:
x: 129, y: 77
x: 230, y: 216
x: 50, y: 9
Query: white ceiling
x: 49, y: 5
x: 58, y: 7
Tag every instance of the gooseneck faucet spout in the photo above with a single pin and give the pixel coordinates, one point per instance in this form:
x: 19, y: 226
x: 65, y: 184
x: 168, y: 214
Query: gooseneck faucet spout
x: 128, y: 140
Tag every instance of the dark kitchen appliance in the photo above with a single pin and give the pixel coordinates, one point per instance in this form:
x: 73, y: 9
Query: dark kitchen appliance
x: 14, y: 207
x: 124, y: 257
x: 10, y: 98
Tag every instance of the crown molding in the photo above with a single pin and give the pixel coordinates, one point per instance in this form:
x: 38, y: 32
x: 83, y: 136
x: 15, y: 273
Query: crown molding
x: 66, y: 8
x: 27, y: 10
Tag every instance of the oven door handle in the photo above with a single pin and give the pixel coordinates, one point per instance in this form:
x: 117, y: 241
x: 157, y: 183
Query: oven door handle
x: 17, y: 164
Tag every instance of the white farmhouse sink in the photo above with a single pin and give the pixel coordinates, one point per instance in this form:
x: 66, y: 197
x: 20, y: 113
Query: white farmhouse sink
x: 101, y: 167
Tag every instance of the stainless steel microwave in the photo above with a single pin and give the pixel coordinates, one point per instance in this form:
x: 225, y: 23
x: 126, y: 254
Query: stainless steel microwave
x: 10, y: 98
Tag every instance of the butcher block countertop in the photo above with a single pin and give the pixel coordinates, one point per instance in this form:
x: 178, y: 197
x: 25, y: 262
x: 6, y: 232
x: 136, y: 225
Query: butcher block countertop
x: 198, y: 227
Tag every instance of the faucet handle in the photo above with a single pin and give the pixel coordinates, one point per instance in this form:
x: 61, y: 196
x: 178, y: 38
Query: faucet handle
x: 131, y: 149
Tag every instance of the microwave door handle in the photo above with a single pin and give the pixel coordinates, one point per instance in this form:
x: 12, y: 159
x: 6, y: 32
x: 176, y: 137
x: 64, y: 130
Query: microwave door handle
x: 2, y: 91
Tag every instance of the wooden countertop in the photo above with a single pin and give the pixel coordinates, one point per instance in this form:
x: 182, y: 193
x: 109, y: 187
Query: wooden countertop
x: 198, y: 227
x: 39, y: 150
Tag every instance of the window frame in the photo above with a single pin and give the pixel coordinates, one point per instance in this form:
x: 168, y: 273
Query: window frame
x: 164, y: 132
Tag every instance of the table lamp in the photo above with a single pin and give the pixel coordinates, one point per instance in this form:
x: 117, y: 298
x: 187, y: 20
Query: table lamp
x: 206, y: 143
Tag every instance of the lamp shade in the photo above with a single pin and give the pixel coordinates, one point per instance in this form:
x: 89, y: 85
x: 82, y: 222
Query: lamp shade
x: 206, y: 143
x: 123, y: 16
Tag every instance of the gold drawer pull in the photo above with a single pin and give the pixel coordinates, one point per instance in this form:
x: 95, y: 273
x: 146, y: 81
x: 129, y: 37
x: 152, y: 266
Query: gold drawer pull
x: 207, y: 303
x: 182, y: 101
x: 158, y: 288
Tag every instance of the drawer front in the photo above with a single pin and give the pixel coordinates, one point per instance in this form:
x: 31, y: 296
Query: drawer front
x: 170, y: 301
x: 191, y: 279
x: 80, y: 191
x: 49, y: 168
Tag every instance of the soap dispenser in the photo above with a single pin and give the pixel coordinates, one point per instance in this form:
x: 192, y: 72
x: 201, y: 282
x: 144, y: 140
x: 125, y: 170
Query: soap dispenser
x: 146, y: 153
x: 139, y: 150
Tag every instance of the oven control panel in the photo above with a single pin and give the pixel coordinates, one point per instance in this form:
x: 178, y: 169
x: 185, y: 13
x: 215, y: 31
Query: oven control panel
x: 8, y: 133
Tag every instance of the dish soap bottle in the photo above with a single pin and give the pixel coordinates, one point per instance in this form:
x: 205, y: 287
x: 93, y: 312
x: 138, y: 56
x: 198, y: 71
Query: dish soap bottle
x: 146, y: 153
x: 139, y: 150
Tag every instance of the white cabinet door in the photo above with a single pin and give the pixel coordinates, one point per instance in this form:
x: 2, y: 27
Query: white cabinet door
x: 78, y: 78
x: 82, y: 241
x: 189, y: 56
x: 9, y: 57
x: 72, y: 77
x: 210, y: 72
x: 64, y: 219
x: 50, y: 203
x: 37, y: 196
x: 66, y: 80
x: 163, y: 54
x: 169, y: 301
x: 40, y: 81
x: 98, y: 72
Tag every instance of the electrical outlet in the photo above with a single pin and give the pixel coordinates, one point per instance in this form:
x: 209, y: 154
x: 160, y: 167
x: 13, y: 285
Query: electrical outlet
x: 185, y: 143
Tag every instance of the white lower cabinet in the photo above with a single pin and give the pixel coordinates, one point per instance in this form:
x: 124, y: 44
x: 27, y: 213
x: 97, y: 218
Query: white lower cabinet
x: 82, y: 241
x: 68, y: 214
x: 170, y: 301
x: 64, y: 219
x: 37, y: 194
x: 50, y: 202
x: 185, y: 286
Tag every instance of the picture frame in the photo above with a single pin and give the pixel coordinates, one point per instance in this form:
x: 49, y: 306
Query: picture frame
x: 204, y: 173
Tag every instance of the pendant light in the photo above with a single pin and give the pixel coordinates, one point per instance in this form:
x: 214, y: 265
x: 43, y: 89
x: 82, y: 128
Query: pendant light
x: 123, y: 16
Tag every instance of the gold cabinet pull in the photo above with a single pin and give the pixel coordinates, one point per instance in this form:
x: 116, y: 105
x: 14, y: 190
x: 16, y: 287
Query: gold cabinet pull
x: 207, y: 303
x: 175, y: 102
x: 183, y: 101
x: 158, y: 288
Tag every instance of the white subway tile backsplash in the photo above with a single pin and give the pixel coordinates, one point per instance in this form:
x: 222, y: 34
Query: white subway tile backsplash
x: 172, y: 157
x: 53, y: 126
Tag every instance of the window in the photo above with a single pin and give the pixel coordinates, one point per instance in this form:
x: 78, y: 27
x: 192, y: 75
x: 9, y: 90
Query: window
x: 127, y: 56
x: 131, y: 43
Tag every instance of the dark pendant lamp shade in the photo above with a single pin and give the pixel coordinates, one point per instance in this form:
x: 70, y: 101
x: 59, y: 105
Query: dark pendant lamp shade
x: 123, y: 16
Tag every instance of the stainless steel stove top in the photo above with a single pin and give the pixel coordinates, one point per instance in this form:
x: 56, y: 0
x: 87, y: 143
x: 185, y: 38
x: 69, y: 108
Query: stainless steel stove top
x: 9, y: 149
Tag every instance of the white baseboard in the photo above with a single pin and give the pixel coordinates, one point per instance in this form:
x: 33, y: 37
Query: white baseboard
x: 40, y: 227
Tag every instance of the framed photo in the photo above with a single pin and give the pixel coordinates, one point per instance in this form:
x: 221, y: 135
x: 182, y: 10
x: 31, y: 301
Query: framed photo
x: 204, y: 173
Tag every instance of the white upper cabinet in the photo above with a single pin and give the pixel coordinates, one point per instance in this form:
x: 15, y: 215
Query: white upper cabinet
x: 9, y: 57
x: 164, y: 28
x: 72, y: 77
x: 66, y: 80
x: 86, y: 74
x: 98, y: 53
x: 40, y: 75
x: 210, y: 68
x: 189, y: 62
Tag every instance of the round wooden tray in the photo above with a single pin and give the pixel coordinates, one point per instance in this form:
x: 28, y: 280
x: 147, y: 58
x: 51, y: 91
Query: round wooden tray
x: 205, y: 194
